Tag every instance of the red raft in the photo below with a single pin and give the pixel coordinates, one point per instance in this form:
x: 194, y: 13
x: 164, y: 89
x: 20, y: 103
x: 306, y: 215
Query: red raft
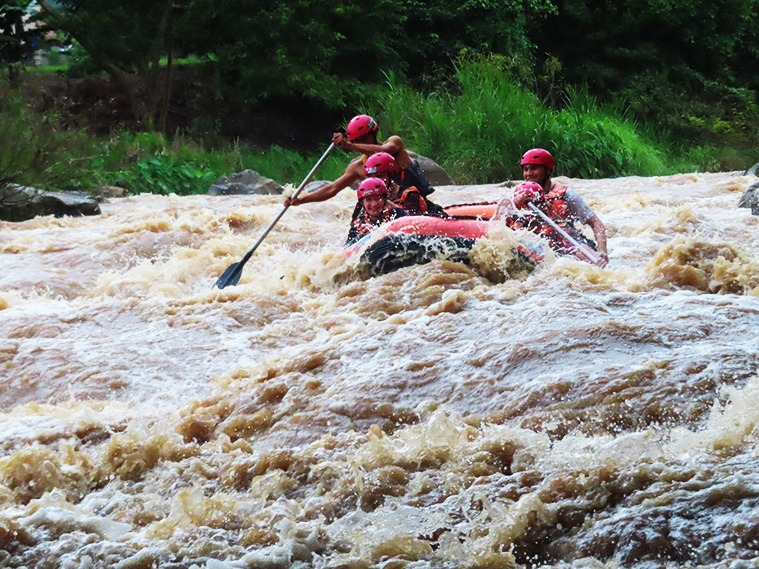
x: 414, y: 240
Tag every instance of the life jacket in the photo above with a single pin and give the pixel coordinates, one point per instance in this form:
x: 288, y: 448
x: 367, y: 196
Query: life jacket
x: 412, y: 202
x: 555, y: 206
x: 363, y: 224
x: 412, y: 176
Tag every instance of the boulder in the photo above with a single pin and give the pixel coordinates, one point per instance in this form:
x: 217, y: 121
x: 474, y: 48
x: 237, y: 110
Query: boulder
x: 244, y: 183
x: 313, y: 186
x: 434, y: 173
x: 750, y: 198
x: 111, y: 192
x: 753, y: 170
x: 19, y: 203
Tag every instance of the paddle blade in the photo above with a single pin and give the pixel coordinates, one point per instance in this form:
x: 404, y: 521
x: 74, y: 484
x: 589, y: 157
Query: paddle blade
x: 230, y: 276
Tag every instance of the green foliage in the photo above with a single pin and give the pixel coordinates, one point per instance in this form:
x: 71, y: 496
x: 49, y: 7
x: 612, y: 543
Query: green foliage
x: 163, y: 175
x: 433, y: 33
x: 287, y: 166
x: 670, y: 60
x: 183, y: 169
x: 318, y: 49
x: 480, y: 132
x: 123, y: 33
x: 79, y: 63
x: 34, y: 149
x: 18, y: 39
x: 127, y: 39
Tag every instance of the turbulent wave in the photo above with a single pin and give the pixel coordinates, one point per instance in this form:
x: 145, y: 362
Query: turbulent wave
x: 448, y: 415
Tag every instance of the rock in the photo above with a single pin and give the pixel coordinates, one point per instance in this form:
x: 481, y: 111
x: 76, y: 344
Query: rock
x: 18, y: 203
x: 510, y: 183
x: 313, y: 186
x: 753, y: 170
x: 245, y: 183
x: 434, y: 173
x: 750, y: 198
x: 111, y: 192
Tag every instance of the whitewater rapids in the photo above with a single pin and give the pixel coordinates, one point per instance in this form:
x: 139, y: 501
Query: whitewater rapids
x: 442, y: 416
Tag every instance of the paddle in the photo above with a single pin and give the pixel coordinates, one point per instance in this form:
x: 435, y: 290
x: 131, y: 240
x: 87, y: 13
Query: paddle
x: 232, y: 275
x: 584, y: 249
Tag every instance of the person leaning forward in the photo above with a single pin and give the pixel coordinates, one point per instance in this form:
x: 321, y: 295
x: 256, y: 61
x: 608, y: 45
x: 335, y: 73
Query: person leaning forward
x: 361, y: 136
x: 562, y: 204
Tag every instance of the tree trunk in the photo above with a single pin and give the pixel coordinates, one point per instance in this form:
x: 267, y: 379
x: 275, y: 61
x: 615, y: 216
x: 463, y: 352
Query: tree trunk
x: 166, y: 91
x: 144, y: 99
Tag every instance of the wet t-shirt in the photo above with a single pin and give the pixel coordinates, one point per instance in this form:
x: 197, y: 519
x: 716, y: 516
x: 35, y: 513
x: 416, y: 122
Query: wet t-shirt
x: 578, y: 209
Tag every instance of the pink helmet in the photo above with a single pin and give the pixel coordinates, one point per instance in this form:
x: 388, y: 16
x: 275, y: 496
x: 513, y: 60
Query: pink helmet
x: 371, y: 187
x: 378, y: 163
x: 359, y: 126
x: 538, y: 156
x: 529, y: 189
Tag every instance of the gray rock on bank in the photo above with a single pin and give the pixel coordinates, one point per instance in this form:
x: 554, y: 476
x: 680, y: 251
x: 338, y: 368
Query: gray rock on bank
x: 247, y: 182
x: 434, y: 172
x: 315, y: 185
x: 19, y: 203
x: 111, y: 192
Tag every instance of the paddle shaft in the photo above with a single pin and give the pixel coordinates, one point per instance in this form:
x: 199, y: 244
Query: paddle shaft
x: 234, y: 275
x: 585, y: 250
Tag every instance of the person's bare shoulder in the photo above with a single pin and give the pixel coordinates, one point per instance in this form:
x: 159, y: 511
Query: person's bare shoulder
x: 395, y: 141
x: 356, y: 167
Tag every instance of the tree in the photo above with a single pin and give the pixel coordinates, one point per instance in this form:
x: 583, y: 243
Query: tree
x: 19, y: 35
x: 321, y: 50
x: 650, y: 52
x: 433, y: 33
x: 126, y: 39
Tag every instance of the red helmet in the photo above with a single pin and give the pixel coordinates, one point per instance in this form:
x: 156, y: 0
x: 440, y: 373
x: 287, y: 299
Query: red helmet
x: 378, y: 163
x: 538, y: 156
x: 359, y: 126
x: 371, y: 187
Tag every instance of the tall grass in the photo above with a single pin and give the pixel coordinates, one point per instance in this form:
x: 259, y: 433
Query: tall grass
x: 479, y: 132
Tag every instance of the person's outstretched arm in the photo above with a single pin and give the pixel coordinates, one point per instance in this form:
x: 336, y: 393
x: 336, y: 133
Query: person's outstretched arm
x: 393, y: 145
x: 355, y: 171
x: 599, y: 230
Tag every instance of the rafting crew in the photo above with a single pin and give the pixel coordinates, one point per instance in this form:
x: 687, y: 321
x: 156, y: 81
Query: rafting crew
x: 376, y: 209
x: 362, y: 136
x: 561, y: 204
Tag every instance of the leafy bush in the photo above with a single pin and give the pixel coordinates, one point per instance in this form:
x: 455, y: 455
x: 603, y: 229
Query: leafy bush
x: 479, y: 131
x: 181, y: 167
x: 34, y: 148
x: 163, y: 175
x: 78, y: 62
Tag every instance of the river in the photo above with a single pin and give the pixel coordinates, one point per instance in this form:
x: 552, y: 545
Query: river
x: 441, y: 416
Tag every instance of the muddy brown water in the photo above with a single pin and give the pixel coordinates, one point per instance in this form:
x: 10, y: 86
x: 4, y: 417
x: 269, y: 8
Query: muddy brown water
x: 441, y: 416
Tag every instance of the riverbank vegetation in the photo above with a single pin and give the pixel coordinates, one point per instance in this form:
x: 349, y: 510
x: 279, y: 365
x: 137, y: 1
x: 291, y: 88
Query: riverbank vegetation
x: 642, y: 87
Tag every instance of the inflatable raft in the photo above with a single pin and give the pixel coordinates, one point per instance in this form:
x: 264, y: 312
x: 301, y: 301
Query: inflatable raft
x: 414, y: 240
